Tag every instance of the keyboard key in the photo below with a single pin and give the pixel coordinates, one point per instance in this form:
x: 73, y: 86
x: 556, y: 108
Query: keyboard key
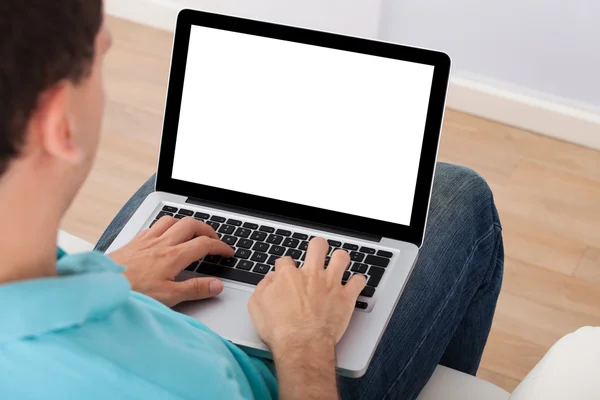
x: 368, y: 291
x: 346, y: 276
x: 327, y: 259
x: 300, y: 236
x: 358, y: 267
x: 379, y: 261
x: 234, y: 222
x: 217, y: 218
x: 227, y: 229
x: 212, y: 259
x: 261, y: 269
x: 242, y: 232
x: 283, y: 232
x: 245, y: 243
x: 228, y: 262
x: 356, y: 256
x: 383, y: 253
x: 219, y: 235
x: 230, y: 240
x: 277, y: 250
x: 349, y: 246
x: 201, y: 215
x: 162, y: 214
x: 259, y: 257
x: 229, y: 273
x: 260, y: 247
x: 258, y: 235
x: 213, y: 225
x: 303, y: 246
x: 179, y: 216
x: 367, y: 250
x: 334, y: 243
x: 170, y: 209
x: 272, y: 260
x: 303, y: 256
x: 299, y: 264
x: 245, y: 265
x: 274, y: 239
x: 376, y: 273
x: 243, y: 254
x: 295, y: 254
x: 192, y: 266
x: 187, y: 213
x: 361, y: 305
x: 289, y: 242
x: 267, y: 229
x: 250, y: 225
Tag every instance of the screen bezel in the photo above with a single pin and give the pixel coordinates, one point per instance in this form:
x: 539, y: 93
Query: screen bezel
x: 440, y: 61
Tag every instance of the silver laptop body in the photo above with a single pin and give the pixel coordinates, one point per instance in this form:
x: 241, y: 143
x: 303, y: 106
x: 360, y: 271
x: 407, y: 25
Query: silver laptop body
x: 211, y: 170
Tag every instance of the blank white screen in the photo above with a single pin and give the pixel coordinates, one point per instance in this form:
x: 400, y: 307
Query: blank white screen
x: 305, y: 124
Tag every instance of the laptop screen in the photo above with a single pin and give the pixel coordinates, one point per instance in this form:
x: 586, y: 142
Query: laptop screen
x: 310, y: 125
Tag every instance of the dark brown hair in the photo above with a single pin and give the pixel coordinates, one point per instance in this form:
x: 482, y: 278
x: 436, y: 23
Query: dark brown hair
x: 42, y: 42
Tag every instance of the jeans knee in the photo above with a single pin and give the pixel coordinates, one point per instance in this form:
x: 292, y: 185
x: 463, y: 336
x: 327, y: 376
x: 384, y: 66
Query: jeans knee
x: 461, y: 187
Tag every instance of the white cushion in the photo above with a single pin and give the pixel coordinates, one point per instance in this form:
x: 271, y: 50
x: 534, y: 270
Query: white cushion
x: 448, y: 384
x: 570, y: 370
x: 72, y: 244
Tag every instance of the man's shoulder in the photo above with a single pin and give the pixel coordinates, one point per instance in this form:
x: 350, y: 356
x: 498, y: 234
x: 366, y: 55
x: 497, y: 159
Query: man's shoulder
x: 137, y: 350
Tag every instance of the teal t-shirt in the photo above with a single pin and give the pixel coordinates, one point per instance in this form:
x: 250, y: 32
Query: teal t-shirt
x: 85, y: 335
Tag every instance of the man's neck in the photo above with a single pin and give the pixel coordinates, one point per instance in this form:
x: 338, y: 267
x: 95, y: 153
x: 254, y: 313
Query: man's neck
x: 31, y: 212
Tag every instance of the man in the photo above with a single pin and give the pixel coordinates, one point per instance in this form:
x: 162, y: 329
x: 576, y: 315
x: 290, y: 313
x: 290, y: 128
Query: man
x: 74, y: 328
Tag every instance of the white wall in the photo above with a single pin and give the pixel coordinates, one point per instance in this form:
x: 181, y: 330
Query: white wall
x: 547, y: 46
x: 352, y: 17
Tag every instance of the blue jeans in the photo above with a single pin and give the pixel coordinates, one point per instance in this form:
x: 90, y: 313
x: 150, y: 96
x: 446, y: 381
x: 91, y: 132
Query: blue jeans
x: 445, y: 313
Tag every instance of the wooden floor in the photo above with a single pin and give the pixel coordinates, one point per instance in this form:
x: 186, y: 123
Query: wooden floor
x: 547, y: 193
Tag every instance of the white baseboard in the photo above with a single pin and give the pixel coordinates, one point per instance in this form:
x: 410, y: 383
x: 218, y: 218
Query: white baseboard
x: 534, y: 112
x: 530, y: 111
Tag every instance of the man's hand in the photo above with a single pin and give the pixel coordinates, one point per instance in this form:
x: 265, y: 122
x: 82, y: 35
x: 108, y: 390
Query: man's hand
x: 301, y: 314
x: 157, y: 255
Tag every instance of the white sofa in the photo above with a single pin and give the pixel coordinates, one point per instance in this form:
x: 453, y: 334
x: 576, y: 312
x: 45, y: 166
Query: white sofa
x: 570, y: 370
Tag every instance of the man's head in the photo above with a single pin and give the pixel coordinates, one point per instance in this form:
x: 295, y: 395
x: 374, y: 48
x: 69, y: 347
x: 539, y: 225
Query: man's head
x: 51, y: 89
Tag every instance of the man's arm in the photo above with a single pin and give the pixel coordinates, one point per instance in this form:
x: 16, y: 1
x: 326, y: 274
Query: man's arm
x: 301, y: 314
x: 306, y: 371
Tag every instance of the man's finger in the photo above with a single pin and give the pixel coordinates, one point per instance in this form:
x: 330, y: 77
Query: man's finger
x: 315, y: 255
x: 197, y: 248
x: 356, y: 284
x: 337, y: 265
x: 268, y: 279
x: 187, y: 229
x: 284, y: 262
x: 197, y: 289
x: 162, y: 225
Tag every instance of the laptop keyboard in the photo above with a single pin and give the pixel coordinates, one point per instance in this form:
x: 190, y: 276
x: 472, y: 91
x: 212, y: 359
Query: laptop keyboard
x: 257, y: 247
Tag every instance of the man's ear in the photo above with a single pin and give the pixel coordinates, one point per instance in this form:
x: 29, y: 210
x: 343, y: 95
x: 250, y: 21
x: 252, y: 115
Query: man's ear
x: 55, y: 124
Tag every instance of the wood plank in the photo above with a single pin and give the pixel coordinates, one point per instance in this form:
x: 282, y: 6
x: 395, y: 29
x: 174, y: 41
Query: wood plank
x: 589, y: 267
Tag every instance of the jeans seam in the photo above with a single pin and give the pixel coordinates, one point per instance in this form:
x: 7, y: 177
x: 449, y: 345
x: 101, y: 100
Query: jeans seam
x: 435, y: 319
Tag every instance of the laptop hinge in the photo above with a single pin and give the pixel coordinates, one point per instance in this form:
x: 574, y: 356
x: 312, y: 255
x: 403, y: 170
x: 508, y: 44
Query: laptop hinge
x: 284, y: 219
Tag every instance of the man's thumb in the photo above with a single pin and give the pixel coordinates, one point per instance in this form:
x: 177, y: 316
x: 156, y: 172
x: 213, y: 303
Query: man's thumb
x: 200, y: 288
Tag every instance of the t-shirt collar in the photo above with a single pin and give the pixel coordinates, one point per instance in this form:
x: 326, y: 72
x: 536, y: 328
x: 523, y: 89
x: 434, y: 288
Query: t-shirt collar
x: 88, y: 286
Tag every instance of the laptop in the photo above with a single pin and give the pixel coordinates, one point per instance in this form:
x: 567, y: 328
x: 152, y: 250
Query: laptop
x: 273, y: 135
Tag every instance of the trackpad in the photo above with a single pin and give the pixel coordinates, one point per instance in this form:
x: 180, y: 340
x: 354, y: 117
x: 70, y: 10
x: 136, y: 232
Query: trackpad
x: 227, y: 315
